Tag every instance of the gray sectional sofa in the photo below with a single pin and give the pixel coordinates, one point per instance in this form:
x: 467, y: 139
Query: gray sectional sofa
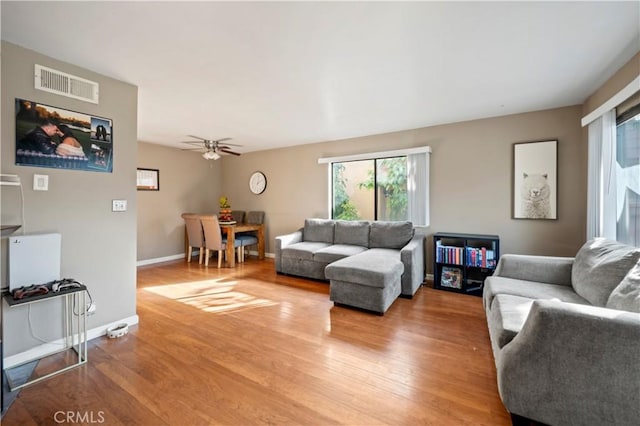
x: 369, y: 264
x: 565, y: 334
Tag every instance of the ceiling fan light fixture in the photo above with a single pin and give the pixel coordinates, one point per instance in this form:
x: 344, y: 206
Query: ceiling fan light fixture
x: 211, y: 155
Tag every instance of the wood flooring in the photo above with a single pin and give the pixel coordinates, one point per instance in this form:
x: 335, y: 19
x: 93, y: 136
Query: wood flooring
x: 245, y: 346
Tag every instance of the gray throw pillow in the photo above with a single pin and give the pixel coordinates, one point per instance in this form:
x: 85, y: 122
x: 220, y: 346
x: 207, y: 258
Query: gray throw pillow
x: 599, y: 267
x: 393, y: 235
x: 319, y: 230
x: 626, y: 296
x: 352, y: 232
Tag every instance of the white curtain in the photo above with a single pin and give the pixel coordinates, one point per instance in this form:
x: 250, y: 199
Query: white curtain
x: 594, y: 178
x: 418, y: 188
x: 601, y: 195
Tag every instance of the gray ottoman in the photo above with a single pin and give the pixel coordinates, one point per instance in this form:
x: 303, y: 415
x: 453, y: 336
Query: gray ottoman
x: 370, y: 280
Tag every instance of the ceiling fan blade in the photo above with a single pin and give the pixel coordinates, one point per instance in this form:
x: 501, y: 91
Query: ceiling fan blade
x: 217, y: 142
x: 226, y: 139
x: 211, y: 145
x: 197, y: 137
x: 192, y: 149
x: 209, y: 139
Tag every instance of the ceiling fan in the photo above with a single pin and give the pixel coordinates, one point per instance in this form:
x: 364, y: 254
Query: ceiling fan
x: 212, y: 147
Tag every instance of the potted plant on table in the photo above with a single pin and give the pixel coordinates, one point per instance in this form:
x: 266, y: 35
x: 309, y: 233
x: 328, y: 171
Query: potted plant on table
x: 225, y: 210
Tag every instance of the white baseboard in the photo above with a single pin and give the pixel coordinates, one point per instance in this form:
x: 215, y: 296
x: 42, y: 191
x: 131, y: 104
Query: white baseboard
x: 181, y: 256
x: 429, y: 277
x: 55, y: 346
x: 161, y: 259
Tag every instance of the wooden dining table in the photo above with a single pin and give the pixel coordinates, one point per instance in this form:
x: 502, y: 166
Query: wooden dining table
x: 232, y: 230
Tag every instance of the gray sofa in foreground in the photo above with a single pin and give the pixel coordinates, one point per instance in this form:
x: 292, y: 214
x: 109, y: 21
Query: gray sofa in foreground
x: 369, y: 264
x: 565, y: 334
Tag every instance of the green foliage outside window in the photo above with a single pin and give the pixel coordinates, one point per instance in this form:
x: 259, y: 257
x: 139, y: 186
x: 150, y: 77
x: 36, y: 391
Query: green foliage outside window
x: 392, y: 184
x: 343, y: 208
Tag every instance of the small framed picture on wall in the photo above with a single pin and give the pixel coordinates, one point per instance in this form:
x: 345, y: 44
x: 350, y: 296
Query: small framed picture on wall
x: 535, y: 180
x: 148, y: 180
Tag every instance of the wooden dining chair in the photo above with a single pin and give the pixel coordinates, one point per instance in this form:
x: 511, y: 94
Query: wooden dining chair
x: 250, y: 239
x: 213, y: 240
x: 195, y: 236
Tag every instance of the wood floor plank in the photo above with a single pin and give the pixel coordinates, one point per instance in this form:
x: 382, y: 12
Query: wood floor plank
x: 244, y: 346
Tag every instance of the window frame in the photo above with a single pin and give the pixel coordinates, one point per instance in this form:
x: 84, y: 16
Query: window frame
x: 630, y: 114
x: 602, y: 128
x: 377, y: 156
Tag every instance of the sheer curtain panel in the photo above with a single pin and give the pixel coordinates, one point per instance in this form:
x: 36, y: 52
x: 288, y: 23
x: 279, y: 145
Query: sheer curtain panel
x: 601, y: 195
x: 418, y: 188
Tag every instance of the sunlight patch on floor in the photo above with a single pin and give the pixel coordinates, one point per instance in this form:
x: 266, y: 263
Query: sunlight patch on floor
x: 215, y: 296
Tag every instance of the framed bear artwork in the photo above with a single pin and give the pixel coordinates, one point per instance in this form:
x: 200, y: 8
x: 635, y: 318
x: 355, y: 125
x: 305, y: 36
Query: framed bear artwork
x: 535, y: 180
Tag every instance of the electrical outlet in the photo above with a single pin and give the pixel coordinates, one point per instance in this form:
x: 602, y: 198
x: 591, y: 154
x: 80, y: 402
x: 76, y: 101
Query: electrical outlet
x: 119, y: 206
x: 91, y: 308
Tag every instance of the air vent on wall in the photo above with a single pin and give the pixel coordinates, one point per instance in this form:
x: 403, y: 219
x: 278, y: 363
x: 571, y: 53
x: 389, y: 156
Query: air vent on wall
x: 64, y: 84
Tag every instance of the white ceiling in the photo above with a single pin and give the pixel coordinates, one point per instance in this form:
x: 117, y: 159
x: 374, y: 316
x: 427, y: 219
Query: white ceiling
x: 273, y: 74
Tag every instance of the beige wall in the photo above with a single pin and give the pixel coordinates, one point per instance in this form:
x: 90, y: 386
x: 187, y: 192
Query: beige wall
x: 188, y: 183
x: 471, y: 173
x: 616, y: 83
x: 98, y: 246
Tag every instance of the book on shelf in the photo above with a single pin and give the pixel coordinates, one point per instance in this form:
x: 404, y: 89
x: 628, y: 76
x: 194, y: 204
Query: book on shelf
x: 451, y: 277
x: 481, y: 257
x: 449, y: 254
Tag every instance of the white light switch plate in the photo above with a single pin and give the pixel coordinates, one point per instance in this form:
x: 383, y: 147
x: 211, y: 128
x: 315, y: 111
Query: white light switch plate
x: 40, y: 182
x: 119, y: 206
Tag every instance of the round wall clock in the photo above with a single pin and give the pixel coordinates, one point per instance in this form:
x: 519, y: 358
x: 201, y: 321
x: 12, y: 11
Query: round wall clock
x: 257, y: 183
